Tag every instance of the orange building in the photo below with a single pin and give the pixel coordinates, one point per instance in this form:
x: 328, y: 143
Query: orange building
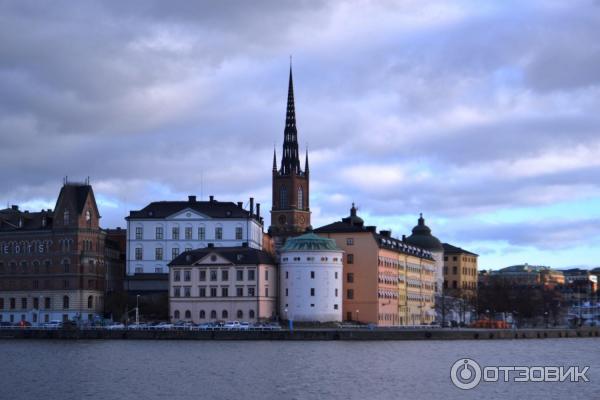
x: 386, y: 281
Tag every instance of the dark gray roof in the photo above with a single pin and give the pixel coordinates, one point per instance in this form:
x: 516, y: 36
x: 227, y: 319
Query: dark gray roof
x: 14, y: 219
x: 235, y: 255
x: 422, y: 237
x: 76, y: 194
x: 213, y: 209
x: 449, y: 249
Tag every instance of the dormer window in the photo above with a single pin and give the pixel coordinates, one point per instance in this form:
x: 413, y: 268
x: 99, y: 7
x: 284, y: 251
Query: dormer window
x: 66, y: 217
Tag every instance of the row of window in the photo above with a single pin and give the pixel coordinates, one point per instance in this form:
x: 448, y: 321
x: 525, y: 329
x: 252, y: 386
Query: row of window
x: 464, y: 270
x: 312, y: 275
x: 464, y: 285
x: 213, y: 275
x: 213, y: 314
x: 35, y: 303
x: 310, y: 259
x: 312, y: 292
x: 463, y: 258
x: 203, y: 291
x: 92, y: 284
x: 159, y: 233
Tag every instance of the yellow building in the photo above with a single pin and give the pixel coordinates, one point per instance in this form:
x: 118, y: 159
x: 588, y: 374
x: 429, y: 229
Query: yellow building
x: 460, y: 273
x: 386, y: 282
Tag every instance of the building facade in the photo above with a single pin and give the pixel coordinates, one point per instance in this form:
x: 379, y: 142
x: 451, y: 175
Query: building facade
x: 290, y: 212
x: 52, y: 263
x: 311, y: 273
x: 460, y: 273
x: 223, y: 283
x: 421, y: 237
x: 159, y: 232
x: 386, y: 282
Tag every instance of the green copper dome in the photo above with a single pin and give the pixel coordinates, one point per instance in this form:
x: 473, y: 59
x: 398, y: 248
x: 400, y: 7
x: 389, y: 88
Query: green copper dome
x: 309, y: 242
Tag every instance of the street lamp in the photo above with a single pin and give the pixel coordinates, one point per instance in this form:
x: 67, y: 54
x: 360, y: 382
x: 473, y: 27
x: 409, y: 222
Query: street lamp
x: 290, y: 321
x: 137, y: 310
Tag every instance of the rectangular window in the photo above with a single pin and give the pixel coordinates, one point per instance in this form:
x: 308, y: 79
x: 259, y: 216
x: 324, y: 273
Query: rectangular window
x: 177, y: 291
x: 1, y: 303
x: 138, y: 253
x: 47, y: 303
x: 312, y: 274
x: 350, y: 277
x: 350, y: 294
x: 188, y: 249
x: 188, y: 233
x: 174, y: 252
x: 224, y: 292
x: 238, y: 233
x: 350, y: 258
x: 187, y: 276
x: 266, y: 275
x: 159, y: 233
x: 139, y: 233
x: 224, y: 275
x: 213, y: 292
x: 312, y: 291
x: 12, y: 303
x: 175, y: 233
x: 202, y: 291
x: 239, y: 274
x: 218, y: 233
x: 158, y: 253
x: 266, y: 292
x: 251, y: 275
x: 286, y: 292
x: 65, y: 284
x: 36, y: 285
x: 286, y: 275
x: 336, y: 275
x: 24, y: 302
x: 158, y: 270
x: 203, y: 276
x: 139, y: 270
x: 202, y: 233
x: 187, y: 291
x: 239, y: 291
x: 336, y: 292
x: 213, y: 276
x: 335, y: 306
x: 251, y: 292
x: 350, y: 241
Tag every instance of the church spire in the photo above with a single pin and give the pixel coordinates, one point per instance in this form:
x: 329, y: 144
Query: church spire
x: 274, y: 159
x: 306, y: 162
x: 290, y: 162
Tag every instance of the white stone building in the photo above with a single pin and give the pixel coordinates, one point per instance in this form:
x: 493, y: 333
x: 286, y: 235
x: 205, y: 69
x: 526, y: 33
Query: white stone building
x: 162, y: 230
x: 311, y: 279
x: 221, y: 284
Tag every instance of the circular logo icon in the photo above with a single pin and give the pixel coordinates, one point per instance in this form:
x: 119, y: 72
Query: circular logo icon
x: 465, y: 374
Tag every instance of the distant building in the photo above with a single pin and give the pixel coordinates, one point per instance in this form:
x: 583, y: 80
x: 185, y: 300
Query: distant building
x: 162, y: 230
x: 290, y: 212
x: 460, y: 273
x: 223, y: 283
x: 527, y: 275
x: 421, y: 237
x: 52, y: 263
x: 580, y: 285
x: 386, y: 281
x: 311, y: 274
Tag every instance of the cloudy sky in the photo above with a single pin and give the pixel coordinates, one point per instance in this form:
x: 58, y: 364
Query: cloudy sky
x: 485, y: 116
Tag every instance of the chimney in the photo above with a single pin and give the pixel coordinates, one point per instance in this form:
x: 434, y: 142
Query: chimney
x: 211, y: 198
x: 251, y: 205
x: 404, y: 238
x: 240, y: 204
x: 15, y: 208
x: 385, y: 233
x: 192, y: 199
x: 258, y: 210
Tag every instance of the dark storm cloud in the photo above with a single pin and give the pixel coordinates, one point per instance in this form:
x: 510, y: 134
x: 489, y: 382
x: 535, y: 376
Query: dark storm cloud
x: 449, y: 108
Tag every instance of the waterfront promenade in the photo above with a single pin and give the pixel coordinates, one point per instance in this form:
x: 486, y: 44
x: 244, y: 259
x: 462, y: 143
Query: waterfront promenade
x: 302, y: 334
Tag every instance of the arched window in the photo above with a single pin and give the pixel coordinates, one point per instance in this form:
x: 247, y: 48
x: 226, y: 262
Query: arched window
x: 188, y: 314
x: 224, y: 314
x: 240, y: 314
x: 213, y: 314
x: 66, y: 217
x: 66, y: 302
x: 300, y: 198
x: 202, y: 314
x: 251, y: 314
x: 176, y: 314
x: 90, y: 302
x: 283, y: 197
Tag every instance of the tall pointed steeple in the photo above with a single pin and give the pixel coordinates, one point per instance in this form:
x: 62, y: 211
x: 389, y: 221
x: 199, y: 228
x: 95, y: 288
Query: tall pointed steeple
x: 306, y: 162
x: 274, y: 159
x: 290, y: 162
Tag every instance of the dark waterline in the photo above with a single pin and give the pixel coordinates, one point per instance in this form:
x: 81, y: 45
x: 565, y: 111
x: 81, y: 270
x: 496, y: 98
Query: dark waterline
x: 31, y: 369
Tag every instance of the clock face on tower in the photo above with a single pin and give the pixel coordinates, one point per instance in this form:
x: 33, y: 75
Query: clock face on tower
x: 282, y: 220
x: 301, y: 219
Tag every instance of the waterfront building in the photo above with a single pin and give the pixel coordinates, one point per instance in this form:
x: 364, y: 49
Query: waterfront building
x: 527, y: 275
x: 311, y: 272
x: 460, y: 273
x: 421, y: 237
x: 386, y: 282
x: 162, y: 230
x: 52, y: 262
x: 290, y: 212
x: 223, y: 283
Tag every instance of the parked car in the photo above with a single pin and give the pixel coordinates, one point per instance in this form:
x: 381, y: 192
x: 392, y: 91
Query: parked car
x: 115, y: 326
x: 54, y: 324
x: 163, y: 326
x: 230, y: 325
x: 244, y: 326
x: 23, y: 324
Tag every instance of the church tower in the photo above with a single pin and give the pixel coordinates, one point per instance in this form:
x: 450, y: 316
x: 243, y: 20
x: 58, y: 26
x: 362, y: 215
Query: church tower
x: 290, y: 213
